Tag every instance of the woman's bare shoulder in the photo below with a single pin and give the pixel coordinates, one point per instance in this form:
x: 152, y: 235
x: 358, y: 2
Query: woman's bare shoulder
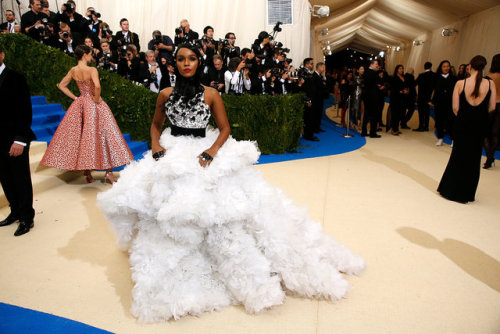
x: 165, y: 94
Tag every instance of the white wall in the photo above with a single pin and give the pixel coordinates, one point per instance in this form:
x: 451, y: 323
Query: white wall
x: 246, y: 18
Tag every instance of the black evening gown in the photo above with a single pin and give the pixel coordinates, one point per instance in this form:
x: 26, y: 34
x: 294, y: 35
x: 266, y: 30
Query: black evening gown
x: 460, y: 179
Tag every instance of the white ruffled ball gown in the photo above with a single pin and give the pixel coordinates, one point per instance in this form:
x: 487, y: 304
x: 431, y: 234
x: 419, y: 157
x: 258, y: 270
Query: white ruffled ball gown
x: 201, y: 239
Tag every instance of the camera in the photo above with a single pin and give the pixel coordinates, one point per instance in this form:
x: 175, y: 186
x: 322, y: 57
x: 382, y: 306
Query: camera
x: 277, y: 27
x: 276, y: 72
x: 65, y: 34
x: 69, y: 8
x: 301, y: 73
x: 107, y: 31
x: 179, y: 30
x: 93, y: 12
x: 157, y: 39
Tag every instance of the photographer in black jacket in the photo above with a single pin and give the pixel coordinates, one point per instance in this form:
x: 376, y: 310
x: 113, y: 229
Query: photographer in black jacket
x: 184, y: 34
x: 262, y: 49
x: 126, y: 37
x: 162, y: 45
x: 92, y: 24
x: 130, y: 66
x: 33, y: 22
x: 215, y: 76
x: 229, y: 49
x: 69, y: 16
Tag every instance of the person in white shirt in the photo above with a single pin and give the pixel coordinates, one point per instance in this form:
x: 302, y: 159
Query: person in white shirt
x: 235, y: 81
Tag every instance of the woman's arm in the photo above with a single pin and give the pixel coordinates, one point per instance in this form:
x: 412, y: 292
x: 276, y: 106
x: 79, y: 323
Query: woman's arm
x: 97, y: 84
x: 159, y: 119
x: 219, y: 112
x: 63, y: 85
x: 456, y: 96
x: 493, y: 96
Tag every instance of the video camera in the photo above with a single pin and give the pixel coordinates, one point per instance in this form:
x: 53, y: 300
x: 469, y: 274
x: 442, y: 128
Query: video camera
x: 301, y: 73
x: 157, y: 39
x: 179, y: 30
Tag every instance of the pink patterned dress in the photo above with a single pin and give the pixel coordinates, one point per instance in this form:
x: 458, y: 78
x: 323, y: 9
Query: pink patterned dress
x: 88, y: 136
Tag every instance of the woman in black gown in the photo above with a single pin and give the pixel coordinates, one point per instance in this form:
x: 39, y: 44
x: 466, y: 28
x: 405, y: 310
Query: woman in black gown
x: 399, y: 98
x: 472, y: 99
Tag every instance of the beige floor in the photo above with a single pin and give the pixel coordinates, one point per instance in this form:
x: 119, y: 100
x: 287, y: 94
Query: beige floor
x: 433, y: 265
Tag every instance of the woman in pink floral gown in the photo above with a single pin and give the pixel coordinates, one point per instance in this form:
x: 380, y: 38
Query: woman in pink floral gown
x: 88, y: 137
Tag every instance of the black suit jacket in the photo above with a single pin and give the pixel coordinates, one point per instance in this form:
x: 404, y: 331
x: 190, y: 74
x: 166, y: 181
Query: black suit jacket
x: 320, y: 91
x: 134, y: 39
x: 15, y: 114
x: 372, y: 89
x: 426, y: 82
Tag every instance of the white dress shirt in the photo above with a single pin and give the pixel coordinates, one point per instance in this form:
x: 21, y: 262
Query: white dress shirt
x: 234, y: 81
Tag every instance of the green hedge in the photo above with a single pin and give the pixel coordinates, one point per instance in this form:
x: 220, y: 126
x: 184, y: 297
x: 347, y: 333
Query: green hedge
x: 274, y: 122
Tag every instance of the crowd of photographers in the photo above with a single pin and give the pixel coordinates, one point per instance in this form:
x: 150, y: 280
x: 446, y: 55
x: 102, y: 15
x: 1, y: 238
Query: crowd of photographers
x: 262, y: 68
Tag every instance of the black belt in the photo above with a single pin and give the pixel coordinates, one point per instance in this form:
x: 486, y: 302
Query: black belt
x: 178, y: 131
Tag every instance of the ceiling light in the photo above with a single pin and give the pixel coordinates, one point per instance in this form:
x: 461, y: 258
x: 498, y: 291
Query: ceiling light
x: 382, y: 54
x: 397, y: 48
x: 446, y: 32
x: 324, y: 31
x: 320, y: 11
x: 418, y: 42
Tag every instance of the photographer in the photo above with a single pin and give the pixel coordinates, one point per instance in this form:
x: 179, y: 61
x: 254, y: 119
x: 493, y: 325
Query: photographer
x: 126, y: 37
x: 33, y: 22
x: 162, y: 46
x: 9, y: 26
x: 168, y: 74
x: 262, y: 49
x: 215, y: 76
x: 130, y: 66
x: 69, y: 16
x: 152, y: 81
x: 209, y: 45
x: 184, y: 34
x: 50, y: 36
x: 52, y: 16
x: 107, y: 59
x: 235, y: 81
x: 92, y: 24
x: 94, y: 51
x: 229, y: 50
x: 107, y: 34
x: 68, y: 41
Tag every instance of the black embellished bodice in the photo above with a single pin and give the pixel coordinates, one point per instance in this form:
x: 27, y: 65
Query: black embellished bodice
x: 188, y: 116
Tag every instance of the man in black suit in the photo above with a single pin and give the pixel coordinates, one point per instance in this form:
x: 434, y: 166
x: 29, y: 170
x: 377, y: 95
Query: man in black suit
x: 425, y: 83
x: 320, y: 93
x: 15, y: 138
x: 9, y: 26
x: 412, y: 96
x: 126, y: 37
x: 307, y: 86
x: 373, y: 87
x: 68, y: 40
x: 75, y: 20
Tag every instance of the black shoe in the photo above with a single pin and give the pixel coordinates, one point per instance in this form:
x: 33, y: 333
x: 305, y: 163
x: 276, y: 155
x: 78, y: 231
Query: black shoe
x: 364, y: 134
x: 426, y: 129
x: 489, y: 163
x: 9, y: 220
x: 321, y: 130
x: 311, y: 138
x: 379, y: 129
x: 405, y: 127
x: 419, y: 130
x: 375, y: 136
x: 23, y: 228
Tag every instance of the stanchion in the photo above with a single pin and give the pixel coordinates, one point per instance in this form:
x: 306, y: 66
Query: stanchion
x: 348, y: 121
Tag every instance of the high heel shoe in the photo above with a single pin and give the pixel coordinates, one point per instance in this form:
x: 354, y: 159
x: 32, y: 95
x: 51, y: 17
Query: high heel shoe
x: 88, y: 177
x: 489, y: 163
x: 109, y: 177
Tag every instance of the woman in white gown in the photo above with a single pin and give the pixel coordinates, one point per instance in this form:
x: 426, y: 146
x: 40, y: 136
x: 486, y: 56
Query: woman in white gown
x: 203, y: 228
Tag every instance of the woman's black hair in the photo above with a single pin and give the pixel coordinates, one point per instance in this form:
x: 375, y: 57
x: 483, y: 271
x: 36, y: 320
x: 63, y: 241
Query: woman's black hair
x: 495, y: 64
x: 478, y: 63
x: 440, y: 67
x: 187, y: 88
x: 396, y: 70
x: 81, y: 50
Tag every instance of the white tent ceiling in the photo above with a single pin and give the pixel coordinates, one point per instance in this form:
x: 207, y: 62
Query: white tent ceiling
x: 371, y: 25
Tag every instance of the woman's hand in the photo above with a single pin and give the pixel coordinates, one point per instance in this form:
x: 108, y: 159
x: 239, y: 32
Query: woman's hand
x: 97, y: 99
x: 205, y: 160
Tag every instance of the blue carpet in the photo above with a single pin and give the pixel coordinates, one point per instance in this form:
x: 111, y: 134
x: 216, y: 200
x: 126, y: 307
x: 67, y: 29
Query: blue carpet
x: 331, y: 142
x: 16, y: 320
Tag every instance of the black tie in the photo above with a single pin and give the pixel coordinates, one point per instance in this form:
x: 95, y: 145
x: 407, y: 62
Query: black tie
x: 9, y: 27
